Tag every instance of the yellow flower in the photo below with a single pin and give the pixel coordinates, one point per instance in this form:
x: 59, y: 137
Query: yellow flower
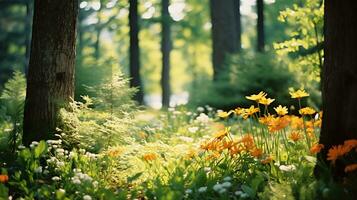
x: 307, y: 111
x: 280, y: 110
x: 350, y: 168
x: 239, y: 111
x: 266, y: 101
x: 249, y: 111
x: 221, y: 134
x: 223, y: 114
x: 299, y: 94
x: 257, y: 97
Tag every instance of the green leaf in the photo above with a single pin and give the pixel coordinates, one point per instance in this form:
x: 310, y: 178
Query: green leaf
x: 134, y: 177
x: 40, y: 149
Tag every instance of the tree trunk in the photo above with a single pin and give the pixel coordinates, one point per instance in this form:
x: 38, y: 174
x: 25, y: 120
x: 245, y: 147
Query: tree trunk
x: 260, y: 26
x: 50, y: 83
x: 339, y: 77
x: 28, y: 24
x: 238, y: 23
x: 135, y: 80
x: 224, y: 33
x: 165, y: 49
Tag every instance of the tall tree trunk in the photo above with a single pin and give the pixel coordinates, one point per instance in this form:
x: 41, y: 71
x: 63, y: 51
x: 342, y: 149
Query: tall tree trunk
x: 260, y: 26
x: 135, y: 80
x: 98, y: 29
x: 28, y: 21
x: 224, y: 33
x: 238, y: 23
x: 339, y: 77
x: 50, y: 83
x: 165, y: 49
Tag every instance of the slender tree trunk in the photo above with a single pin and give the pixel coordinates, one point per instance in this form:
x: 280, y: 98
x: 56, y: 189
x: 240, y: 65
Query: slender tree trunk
x: 238, y: 23
x: 135, y: 80
x: 28, y: 23
x: 165, y: 49
x: 99, y: 28
x: 260, y: 26
x: 339, y: 77
x: 224, y: 33
x: 50, y: 82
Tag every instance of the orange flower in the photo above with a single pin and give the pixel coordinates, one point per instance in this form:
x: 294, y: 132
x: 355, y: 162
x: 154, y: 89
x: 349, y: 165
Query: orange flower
x: 115, y: 152
x: 295, y: 136
x: 337, y: 151
x: 227, y: 144
x: 318, y: 123
x: 351, y: 143
x: 248, y: 141
x: 149, y: 157
x: 296, y: 122
x: 278, y: 124
x: 316, y: 148
x: 236, y: 149
x: 257, y: 153
x: 350, y: 168
x: 267, y: 160
x: 266, y: 119
x: 4, y: 178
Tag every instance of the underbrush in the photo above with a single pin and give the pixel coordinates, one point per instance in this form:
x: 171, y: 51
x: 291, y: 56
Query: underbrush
x: 245, y: 153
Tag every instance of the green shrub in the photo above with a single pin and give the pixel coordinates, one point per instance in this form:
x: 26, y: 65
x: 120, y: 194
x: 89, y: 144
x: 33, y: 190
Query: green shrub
x: 247, y: 73
x: 11, y: 106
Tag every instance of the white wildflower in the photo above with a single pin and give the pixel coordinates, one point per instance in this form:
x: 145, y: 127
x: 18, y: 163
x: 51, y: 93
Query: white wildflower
x: 56, y: 178
x: 38, y: 170
x: 226, y: 184
x: 200, y: 109
x: 188, y: 191
x: 87, y: 197
x: 287, y: 168
x: 217, y: 187
x: 202, y: 189
x: 203, y: 118
x: 193, y: 129
x: 228, y: 178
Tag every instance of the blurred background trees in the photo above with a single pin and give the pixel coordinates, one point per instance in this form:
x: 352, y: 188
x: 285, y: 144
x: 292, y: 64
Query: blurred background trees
x: 204, y: 36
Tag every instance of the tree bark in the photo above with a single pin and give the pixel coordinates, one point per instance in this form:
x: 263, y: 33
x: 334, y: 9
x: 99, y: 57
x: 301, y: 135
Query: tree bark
x: 339, y: 78
x: 165, y: 49
x: 135, y: 80
x: 260, y: 26
x: 28, y: 23
x: 224, y: 33
x: 238, y: 23
x: 50, y: 83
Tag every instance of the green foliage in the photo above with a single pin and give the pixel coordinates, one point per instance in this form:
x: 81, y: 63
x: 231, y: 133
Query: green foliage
x: 306, y: 38
x: 247, y: 74
x: 12, y: 104
x: 105, y: 120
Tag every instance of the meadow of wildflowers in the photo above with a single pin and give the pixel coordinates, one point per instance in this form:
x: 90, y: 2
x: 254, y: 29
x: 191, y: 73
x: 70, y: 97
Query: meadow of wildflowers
x: 258, y: 152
